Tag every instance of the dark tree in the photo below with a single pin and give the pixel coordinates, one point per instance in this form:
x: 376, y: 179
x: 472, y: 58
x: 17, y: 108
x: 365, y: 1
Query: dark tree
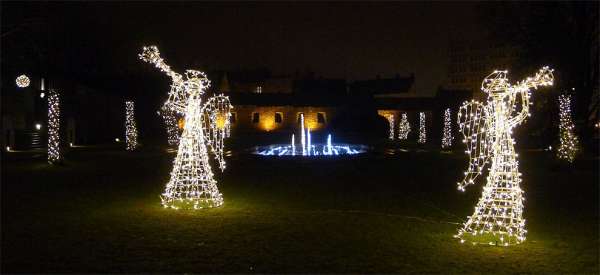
x: 563, y: 35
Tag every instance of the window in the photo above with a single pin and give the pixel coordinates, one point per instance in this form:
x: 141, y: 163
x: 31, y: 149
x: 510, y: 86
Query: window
x: 232, y: 118
x: 320, y: 118
x: 278, y: 117
x: 255, y: 117
x: 258, y: 90
x: 299, y: 116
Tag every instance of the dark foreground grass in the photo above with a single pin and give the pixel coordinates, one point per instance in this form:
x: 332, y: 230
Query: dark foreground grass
x: 375, y: 213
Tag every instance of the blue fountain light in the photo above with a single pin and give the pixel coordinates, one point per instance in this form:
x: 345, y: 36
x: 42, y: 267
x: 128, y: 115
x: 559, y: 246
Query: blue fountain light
x: 309, y: 149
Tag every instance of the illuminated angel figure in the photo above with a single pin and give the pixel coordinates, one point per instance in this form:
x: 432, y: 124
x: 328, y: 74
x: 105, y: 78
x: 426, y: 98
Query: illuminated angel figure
x: 192, y: 185
x: 487, y: 129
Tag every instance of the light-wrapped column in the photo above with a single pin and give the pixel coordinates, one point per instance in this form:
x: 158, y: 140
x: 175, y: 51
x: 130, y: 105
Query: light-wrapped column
x: 447, y: 134
x: 131, y: 133
x: 422, y: 128
x: 54, y: 155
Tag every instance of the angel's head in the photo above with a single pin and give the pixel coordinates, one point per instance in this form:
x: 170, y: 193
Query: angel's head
x: 496, y: 82
x: 196, y: 80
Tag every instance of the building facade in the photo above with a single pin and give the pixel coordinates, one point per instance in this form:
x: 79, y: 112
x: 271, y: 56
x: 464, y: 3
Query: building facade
x: 471, y: 60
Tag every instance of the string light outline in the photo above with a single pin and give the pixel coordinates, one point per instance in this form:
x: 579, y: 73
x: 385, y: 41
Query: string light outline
x: 390, y: 118
x: 131, y: 133
x: 568, y: 142
x: 191, y: 184
x: 447, y: 137
x: 487, y: 130
x: 54, y: 154
x: 422, y: 128
x: 403, y: 127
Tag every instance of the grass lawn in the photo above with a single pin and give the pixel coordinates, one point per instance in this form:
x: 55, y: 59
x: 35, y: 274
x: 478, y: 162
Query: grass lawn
x: 377, y: 212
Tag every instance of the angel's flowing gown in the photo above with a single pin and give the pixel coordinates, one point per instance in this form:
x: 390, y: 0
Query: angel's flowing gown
x: 499, y: 211
x: 192, y: 184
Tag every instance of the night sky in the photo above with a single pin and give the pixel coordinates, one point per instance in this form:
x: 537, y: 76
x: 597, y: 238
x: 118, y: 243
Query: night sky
x: 339, y: 40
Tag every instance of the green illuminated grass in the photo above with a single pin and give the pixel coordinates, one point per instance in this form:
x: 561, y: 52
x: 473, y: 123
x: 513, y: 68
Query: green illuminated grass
x: 101, y: 212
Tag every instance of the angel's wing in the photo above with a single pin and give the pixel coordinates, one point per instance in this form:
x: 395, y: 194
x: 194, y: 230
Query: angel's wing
x: 474, y: 125
x: 215, y: 121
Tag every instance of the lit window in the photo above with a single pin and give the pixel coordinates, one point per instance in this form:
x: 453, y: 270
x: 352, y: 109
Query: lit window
x: 255, y: 117
x: 278, y: 117
x: 320, y: 118
x: 258, y: 90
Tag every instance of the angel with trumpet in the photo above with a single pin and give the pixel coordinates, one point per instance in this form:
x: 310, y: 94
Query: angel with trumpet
x: 487, y: 130
x: 206, y: 125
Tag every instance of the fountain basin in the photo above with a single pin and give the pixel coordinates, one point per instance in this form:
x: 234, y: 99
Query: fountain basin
x: 335, y: 149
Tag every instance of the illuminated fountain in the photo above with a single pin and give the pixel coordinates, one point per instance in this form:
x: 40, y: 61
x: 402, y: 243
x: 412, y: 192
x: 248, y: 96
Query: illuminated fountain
x: 307, y: 148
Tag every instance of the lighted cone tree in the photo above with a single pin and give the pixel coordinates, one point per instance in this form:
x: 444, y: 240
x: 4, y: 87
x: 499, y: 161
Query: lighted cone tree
x: 131, y: 133
x: 422, y: 129
x: 487, y: 129
x: 569, y: 143
x: 447, y: 134
x: 54, y: 155
x: 403, y: 127
x: 192, y: 184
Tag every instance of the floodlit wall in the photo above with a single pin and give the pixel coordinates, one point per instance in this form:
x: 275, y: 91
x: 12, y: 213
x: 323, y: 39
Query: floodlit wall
x: 279, y: 118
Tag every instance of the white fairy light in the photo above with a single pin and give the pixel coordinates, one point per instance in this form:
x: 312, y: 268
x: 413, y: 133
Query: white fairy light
x: 22, y: 81
x: 447, y: 134
x: 422, y: 128
x: 173, y: 131
x: 403, y: 127
x: 53, y: 128
x: 390, y: 118
x: 131, y: 132
x: 487, y: 129
x: 569, y: 143
x: 192, y: 184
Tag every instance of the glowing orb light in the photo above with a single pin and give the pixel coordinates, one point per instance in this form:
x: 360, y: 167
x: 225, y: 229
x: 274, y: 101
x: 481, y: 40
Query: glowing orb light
x: 23, y: 81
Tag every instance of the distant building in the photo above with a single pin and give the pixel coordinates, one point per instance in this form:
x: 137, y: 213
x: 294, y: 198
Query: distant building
x: 471, y: 60
x: 266, y: 103
x: 280, y: 112
x: 323, y: 102
x: 252, y: 81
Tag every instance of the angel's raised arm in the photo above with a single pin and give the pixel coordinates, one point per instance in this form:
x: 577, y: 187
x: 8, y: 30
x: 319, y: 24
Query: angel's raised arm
x: 151, y: 55
x: 542, y: 78
x: 474, y: 125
